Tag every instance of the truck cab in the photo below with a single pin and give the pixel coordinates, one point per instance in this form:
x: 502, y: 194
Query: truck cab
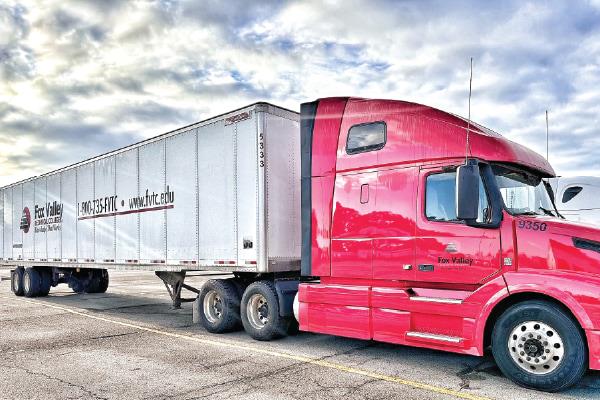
x: 415, y: 233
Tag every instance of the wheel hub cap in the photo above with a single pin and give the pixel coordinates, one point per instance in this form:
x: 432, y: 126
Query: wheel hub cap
x: 258, y: 311
x: 536, y: 347
x: 213, y: 307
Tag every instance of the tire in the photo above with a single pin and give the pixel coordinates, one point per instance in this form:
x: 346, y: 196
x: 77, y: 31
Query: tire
x: 104, y: 281
x: 16, y: 281
x: 46, y: 281
x: 32, y: 282
x: 77, y: 281
x: 260, y: 312
x: 539, y: 346
x: 98, y: 281
x: 219, y: 306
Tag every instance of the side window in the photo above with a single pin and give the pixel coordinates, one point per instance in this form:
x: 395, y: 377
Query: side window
x: 570, y: 193
x: 440, y: 199
x: 366, y: 137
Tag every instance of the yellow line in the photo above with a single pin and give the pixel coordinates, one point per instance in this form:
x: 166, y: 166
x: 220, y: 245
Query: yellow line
x: 241, y: 346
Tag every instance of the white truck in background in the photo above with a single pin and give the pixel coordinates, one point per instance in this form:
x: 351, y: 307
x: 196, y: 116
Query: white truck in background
x: 578, y: 198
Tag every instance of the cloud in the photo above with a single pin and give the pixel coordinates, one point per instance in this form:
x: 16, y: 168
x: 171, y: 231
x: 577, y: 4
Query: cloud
x: 82, y: 78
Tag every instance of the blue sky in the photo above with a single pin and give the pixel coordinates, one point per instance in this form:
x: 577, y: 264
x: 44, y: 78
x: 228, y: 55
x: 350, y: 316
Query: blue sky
x: 80, y: 78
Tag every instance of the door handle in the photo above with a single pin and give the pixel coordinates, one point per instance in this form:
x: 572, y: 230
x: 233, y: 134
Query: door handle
x: 364, y: 193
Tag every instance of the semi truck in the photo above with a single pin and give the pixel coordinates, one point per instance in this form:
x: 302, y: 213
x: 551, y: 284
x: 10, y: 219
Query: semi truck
x: 578, y: 198
x: 372, y: 219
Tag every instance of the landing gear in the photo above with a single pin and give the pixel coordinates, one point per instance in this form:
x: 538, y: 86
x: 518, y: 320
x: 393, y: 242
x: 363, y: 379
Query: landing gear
x: 174, y: 283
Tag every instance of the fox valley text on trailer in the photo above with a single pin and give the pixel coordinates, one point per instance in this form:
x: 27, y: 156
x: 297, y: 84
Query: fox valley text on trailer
x: 360, y: 218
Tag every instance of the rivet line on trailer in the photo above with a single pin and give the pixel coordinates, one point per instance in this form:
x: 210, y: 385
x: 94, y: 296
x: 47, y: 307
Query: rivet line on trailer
x: 273, y: 353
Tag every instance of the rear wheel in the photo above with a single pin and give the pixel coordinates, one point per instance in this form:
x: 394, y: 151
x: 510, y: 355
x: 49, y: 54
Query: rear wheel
x: 219, y: 306
x: 98, y: 281
x: 260, y: 312
x: 539, y: 346
x: 78, y: 281
x: 45, y: 281
x: 104, y: 281
x: 16, y: 281
x: 32, y: 282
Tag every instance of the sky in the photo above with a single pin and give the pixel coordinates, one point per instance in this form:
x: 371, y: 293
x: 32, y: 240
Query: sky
x: 80, y: 78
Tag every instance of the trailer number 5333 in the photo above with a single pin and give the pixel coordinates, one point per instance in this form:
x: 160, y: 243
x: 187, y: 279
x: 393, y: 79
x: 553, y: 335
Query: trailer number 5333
x: 534, y: 226
x: 261, y: 150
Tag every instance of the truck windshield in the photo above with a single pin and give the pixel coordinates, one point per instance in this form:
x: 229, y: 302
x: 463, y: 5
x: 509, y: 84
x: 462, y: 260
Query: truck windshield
x: 523, y: 193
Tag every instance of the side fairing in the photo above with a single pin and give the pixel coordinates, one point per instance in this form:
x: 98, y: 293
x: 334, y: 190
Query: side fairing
x: 319, y: 146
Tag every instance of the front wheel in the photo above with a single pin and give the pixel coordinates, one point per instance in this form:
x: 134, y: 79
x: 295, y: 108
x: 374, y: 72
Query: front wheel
x: 539, y: 346
x: 260, y: 312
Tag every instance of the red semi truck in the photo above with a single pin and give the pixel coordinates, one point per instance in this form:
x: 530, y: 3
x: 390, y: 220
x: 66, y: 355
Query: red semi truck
x: 412, y: 243
x: 412, y: 232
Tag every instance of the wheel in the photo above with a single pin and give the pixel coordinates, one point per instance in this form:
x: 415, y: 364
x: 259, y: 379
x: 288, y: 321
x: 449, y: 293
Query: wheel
x: 45, y: 281
x: 539, y: 346
x: 32, y: 282
x: 220, y: 306
x: 98, y: 281
x: 16, y: 281
x: 260, y: 312
x: 77, y: 281
x: 103, y: 284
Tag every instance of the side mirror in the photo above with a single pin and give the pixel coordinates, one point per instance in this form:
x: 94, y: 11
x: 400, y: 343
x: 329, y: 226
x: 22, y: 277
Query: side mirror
x: 467, y: 192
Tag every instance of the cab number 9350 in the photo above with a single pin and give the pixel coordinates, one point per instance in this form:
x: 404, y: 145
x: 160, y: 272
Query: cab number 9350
x: 534, y: 226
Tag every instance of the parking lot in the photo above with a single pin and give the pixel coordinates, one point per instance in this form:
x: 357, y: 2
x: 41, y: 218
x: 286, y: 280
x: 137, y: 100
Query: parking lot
x: 129, y: 343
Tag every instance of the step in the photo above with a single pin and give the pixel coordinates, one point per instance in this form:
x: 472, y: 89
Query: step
x: 436, y: 300
x: 433, y: 337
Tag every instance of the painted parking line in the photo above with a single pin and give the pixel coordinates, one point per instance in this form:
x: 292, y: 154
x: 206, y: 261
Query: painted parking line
x: 242, y: 346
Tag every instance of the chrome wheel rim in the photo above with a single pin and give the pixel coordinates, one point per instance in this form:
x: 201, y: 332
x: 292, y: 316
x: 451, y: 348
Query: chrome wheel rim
x: 536, y: 347
x: 26, y: 282
x: 213, y: 307
x: 258, y: 311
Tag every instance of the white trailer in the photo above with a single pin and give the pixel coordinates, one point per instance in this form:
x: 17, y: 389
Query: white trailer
x: 220, y: 195
x: 578, y: 198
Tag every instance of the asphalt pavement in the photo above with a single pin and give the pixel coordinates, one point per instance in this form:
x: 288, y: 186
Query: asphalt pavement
x: 129, y: 343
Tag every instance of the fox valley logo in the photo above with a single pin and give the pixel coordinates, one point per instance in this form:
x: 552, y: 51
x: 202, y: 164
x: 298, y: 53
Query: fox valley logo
x: 25, y: 220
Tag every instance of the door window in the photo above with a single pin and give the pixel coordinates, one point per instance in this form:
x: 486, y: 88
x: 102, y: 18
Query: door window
x: 440, y: 199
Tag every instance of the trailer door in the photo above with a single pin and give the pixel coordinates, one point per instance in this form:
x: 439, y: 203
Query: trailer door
x: 447, y: 250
